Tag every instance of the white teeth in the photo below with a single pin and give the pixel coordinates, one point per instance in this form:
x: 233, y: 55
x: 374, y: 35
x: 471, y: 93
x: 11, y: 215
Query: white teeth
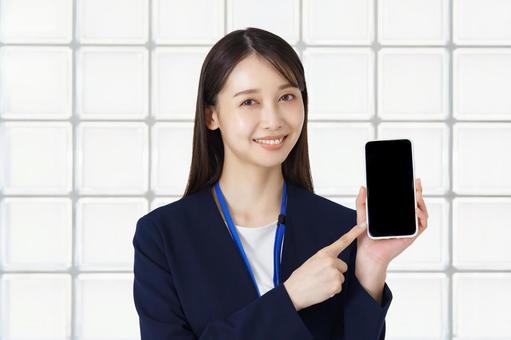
x: 269, y: 141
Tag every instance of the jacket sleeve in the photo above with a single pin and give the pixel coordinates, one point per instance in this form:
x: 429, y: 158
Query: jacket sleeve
x: 364, y: 317
x: 161, y: 316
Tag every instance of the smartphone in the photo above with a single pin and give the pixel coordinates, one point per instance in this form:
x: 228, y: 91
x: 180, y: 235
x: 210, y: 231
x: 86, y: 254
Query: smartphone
x: 390, y: 184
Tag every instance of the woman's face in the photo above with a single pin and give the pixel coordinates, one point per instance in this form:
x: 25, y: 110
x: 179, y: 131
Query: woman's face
x: 269, y: 109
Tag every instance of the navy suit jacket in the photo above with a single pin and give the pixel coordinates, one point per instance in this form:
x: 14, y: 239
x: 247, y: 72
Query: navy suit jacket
x: 190, y: 282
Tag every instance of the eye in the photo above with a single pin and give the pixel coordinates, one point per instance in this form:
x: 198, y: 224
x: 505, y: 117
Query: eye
x: 248, y: 100
x: 288, y: 94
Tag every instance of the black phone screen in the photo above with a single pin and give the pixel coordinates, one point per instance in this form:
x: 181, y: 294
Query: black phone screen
x: 390, y: 188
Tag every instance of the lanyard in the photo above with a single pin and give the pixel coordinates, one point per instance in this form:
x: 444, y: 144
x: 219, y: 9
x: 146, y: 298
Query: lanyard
x: 281, y: 226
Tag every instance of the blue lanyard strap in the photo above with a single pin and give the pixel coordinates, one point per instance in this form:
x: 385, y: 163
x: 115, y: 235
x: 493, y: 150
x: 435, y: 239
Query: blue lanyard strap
x: 279, y: 235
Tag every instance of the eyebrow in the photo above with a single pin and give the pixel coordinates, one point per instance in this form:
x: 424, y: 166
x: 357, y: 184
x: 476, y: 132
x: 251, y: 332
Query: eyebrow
x: 281, y: 87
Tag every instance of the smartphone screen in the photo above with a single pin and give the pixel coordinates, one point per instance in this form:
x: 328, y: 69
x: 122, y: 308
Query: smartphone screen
x: 390, y: 184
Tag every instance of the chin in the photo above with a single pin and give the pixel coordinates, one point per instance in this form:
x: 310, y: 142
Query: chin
x: 269, y: 162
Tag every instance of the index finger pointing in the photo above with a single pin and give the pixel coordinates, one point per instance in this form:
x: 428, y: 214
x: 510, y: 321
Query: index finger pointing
x: 345, y: 240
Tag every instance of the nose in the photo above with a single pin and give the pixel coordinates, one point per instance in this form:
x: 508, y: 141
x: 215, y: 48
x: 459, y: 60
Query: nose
x: 271, y: 117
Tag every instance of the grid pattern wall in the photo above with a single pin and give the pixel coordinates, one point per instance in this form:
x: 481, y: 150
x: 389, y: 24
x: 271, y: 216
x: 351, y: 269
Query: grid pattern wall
x: 97, y: 103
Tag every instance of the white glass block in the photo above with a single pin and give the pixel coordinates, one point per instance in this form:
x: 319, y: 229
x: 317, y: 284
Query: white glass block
x: 482, y: 22
x: 477, y: 338
x: 35, y: 21
x: 112, y: 158
x: 481, y: 164
x: 112, y: 83
x: 171, y: 157
x: 413, y: 22
x: 342, y: 171
x: 161, y: 201
x: 413, y: 83
x: 105, y: 228
x: 481, y: 305
x: 279, y: 17
x: 430, y: 251
x: 105, y: 308
x: 175, y: 79
x: 338, y: 22
x: 430, y: 143
x: 35, y: 306
x: 39, y: 240
x: 35, y: 158
x: 188, y: 22
x: 35, y: 82
x: 481, y: 233
x: 419, y: 306
x: 112, y: 21
x: 481, y: 83
x: 339, y: 82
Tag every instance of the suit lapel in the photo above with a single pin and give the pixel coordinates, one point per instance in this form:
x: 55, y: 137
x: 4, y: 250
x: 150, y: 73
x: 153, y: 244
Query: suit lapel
x: 290, y: 248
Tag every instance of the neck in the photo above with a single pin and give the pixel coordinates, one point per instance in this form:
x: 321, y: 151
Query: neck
x: 253, y: 194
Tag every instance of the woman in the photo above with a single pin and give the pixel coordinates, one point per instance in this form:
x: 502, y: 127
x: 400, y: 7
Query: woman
x: 250, y: 251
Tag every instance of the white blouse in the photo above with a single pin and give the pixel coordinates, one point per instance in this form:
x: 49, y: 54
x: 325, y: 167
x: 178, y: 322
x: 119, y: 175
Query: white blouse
x: 258, y: 243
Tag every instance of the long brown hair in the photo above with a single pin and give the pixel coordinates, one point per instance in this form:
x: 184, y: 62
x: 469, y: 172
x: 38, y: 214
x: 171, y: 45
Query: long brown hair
x: 208, y: 150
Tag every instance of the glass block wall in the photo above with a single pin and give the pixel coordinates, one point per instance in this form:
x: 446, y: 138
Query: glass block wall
x: 97, y: 104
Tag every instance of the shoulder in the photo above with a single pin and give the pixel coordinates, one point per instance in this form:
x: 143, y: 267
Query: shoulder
x: 181, y: 211
x: 322, y: 206
x: 320, y: 218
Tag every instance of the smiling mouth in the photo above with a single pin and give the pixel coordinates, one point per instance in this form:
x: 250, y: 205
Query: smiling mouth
x: 270, y: 141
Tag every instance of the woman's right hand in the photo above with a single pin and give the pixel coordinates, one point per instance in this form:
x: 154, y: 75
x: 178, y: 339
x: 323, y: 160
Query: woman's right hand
x: 322, y: 275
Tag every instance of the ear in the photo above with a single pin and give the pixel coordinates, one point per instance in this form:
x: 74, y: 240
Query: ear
x: 211, y: 117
